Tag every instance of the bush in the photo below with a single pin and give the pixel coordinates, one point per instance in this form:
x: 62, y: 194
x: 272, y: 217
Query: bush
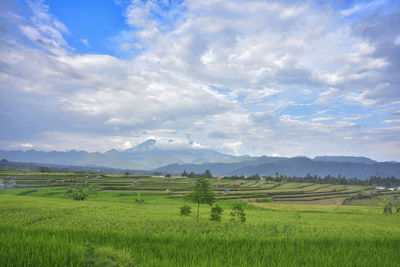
x: 387, y: 206
x: 238, y: 212
x: 139, y: 200
x: 185, y: 210
x: 80, y: 191
x: 216, y: 213
x: 397, y: 207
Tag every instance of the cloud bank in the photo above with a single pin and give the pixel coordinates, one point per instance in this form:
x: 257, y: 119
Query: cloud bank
x: 242, y: 77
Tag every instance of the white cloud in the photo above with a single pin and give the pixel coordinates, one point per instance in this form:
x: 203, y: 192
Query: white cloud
x: 362, y: 7
x: 273, y: 61
x: 329, y: 118
x: 27, y: 145
x: 85, y: 42
x: 391, y: 122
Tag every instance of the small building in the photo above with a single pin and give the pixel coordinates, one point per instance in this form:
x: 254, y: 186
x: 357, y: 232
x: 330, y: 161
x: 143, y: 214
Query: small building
x: 380, y: 187
x: 227, y: 191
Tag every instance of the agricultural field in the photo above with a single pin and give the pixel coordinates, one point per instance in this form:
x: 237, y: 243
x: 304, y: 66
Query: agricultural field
x: 287, y: 224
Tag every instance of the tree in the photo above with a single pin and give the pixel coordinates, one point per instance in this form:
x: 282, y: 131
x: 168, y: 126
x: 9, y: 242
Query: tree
x: 80, y: 191
x: 44, y: 169
x: 201, y: 194
x: 238, y: 212
x: 208, y: 174
x: 167, y: 175
x: 216, y: 213
x: 185, y: 210
x: 387, y: 206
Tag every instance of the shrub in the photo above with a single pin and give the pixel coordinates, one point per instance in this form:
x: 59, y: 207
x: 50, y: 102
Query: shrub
x: 216, y: 213
x: 185, y: 210
x: 139, y: 200
x: 397, y: 207
x: 387, y: 206
x: 238, y: 212
x: 80, y: 191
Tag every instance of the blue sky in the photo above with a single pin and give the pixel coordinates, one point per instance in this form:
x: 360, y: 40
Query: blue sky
x: 250, y: 77
x: 92, y: 24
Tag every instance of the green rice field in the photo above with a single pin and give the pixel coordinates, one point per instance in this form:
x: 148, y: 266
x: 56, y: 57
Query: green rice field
x: 288, y: 224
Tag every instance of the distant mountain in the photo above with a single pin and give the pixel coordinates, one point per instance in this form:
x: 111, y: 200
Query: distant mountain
x: 173, y: 159
x: 345, y: 159
x: 145, y: 156
x: 298, y: 166
x: 46, y: 167
x: 148, y: 145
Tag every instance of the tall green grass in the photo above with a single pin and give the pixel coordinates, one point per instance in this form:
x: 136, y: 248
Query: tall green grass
x: 109, y: 229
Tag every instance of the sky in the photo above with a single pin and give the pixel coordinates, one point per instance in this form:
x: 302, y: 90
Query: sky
x: 277, y: 78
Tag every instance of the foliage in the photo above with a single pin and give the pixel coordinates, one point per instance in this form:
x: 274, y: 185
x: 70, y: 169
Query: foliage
x: 238, y: 213
x: 44, y: 169
x: 328, y: 179
x: 185, y: 210
x: 80, y: 191
x: 207, y: 174
x: 201, y: 194
x: 254, y: 177
x: 216, y: 213
x: 167, y: 175
x: 139, y: 200
x: 387, y: 206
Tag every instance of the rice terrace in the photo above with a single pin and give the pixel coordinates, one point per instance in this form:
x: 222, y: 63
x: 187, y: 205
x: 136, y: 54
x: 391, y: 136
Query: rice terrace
x: 287, y: 224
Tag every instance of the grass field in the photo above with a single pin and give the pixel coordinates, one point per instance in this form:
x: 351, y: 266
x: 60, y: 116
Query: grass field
x: 39, y: 226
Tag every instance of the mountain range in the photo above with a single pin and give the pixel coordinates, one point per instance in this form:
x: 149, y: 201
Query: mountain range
x: 145, y: 156
x: 361, y: 168
x: 151, y: 156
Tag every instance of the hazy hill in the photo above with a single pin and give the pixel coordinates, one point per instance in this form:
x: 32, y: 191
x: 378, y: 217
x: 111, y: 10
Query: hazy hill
x: 298, y: 166
x: 145, y: 156
x: 345, y: 159
x: 47, y: 167
x: 166, y: 158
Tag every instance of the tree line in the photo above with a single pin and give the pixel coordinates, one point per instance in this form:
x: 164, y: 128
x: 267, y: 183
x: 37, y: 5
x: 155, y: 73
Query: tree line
x: 207, y: 174
x: 328, y: 179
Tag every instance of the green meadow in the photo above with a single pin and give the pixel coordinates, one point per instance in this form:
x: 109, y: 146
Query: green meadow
x: 287, y: 224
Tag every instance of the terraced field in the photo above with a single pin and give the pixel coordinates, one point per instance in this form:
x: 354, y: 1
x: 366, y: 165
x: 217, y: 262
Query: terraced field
x: 177, y: 187
x: 288, y: 224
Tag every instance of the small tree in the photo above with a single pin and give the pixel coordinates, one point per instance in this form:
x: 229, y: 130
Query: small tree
x: 208, y: 174
x: 139, y: 199
x: 201, y: 194
x: 216, y: 213
x: 185, y: 210
x: 387, y: 206
x: 80, y: 191
x: 397, y: 207
x: 167, y: 175
x: 238, y: 212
